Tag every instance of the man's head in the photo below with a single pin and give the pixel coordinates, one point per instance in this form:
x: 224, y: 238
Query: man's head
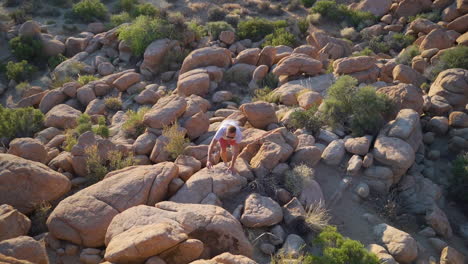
x: 231, y: 132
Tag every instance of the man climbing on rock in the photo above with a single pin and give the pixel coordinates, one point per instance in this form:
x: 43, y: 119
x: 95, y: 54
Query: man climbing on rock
x: 228, y: 134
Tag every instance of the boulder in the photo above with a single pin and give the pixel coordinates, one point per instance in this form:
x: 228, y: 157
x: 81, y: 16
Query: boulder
x: 126, y: 80
x: 12, y: 223
x: 311, y: 194
x: 309, y: 99
x: 226, y: 258
x: 216, y: 228
x: 83, y: 218
x: 452, y: 85
x: 334, y: 152
x: 395, y: 153
x: 437, y: 38
x: 154, y: 56
x: 165, y: 111
x: 261, y: 211
x: 240, y: 73
x: 227, y: 37
x: 358, y: 145
x: 450, y: 255
x: 183, y: 253
x: 437, y: 219
x: 51, y: 99
x: 459, y: 24
x: 338, y: 47
x: 406, y: 74
x: 309, y: 155
x: 404, y: 96
x: 353, y: 64
x: 148, y: 96
x: 297, y: 64
x: 354, y: 165
x: 193, y: 82
x: 248, y: 56
x: 418, y: 194
x: 398, y: 243
x: 30, y: 29
x: 408, y: 8
x: 376, y: 8
x: 381, y: 253
x: 293, y: 246
x: 259, y: 114
x: 462, y: 6
x: 216, y: 180
x: 209, y: 56
x: 28, y: 148
x: 26, y: 184
x: 267, y: 56
x: 52, y: 47
x: 96, y: 107
x: 144, y: 144
x: 197, y: 125
x: 458, y: 119
x: 62, y: 116
x: 24, y: 248
x: 85, y: 94
x: 422, y: 25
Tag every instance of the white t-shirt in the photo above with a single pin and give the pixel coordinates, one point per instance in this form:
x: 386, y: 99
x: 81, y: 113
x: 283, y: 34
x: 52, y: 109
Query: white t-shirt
x: 221, y: 133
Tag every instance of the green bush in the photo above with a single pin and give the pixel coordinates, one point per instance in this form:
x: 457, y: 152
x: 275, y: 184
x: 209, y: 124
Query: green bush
x: 400, y: 41
x: 84, y: 124
x: 365, y: 52
x: 198, y: 29
x: 127, y: 5
x: 216, y: 14
x: 61, y: 3
x: 270, y: 81
x: 133, y: 126
x: 407, y: 55
x: 294, y: 179
x: 89, y: 10
x: 308, y: 3
x: 119, y: 19
x: 19, y: 16
x: 257, y: 28
x: 303, y: 25
x: 459, y: 180
x: 307, y: 119
x: 434, y: 16
x: 101, y: 129
x: 359, y: 110
x: 337, y: 249
x: 338, y: 12
x: 451, y: 58
x: 113, y: 103
x: 280, y: 36
x: 19, y: 122
x: 85, y: 79
x: 98, y: 166
x: 377, y: 45
x: 26, y: 48
x: 215, y: 28
x: 146, y: 9
x: 22, y: 87
x: 177, y: 141
x: 144, y: 31
x: 54, y: 61
x: 266, y: 95
x: 20, y: 71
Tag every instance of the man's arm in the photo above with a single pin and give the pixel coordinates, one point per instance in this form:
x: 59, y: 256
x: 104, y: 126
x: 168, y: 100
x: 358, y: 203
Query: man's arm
x: 210, y: 150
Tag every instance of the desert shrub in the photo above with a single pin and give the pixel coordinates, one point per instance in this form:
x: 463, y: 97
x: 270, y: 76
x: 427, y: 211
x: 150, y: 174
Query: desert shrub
x: 434, y: 16
x: 54, y: 61
x: 266, y: 95
x: 26, y: 48
x: 39, y: 217
x: 113, y: 103
x: 198, y: 29
x: 61, y: 3
x: 127, y: 5
x: 85, y: 79
x: 133, y: 126
x: 317, y: 217
x: 177, y: 141
x: 303, y: 25
x: 215, y: 28
x: 146, y: 9
x: 119, y: 19
x: 377, y: 45
x: 307, y: 119
x: 101, y: 129
x: 407, y: 55
x: 339, y: 12
x: 459, y: 180
x: 400, y: 41
x: 22, y: 87
x: 216, y: 14
x: 451, y: 58
x: 308, y: 3
x: 89, y: 10
x: 144, y: 31
x: 98, y: 166
x: 283, y: 258
x: 270, y: 81
x: 294, y: 179
x: 359, y: 110
x: 257, y: 28
x: 19, y: 122
x: 280, y: 37
x: 19, y: 16
x: 365, y: 52
x: 84, y: 124
x: 71, y: 138
x: 293, y: 5
x: 337, y: 249
x: 20, y: 71
x: 232, y: 19
x: 349, y: 33
x: 314, y: 18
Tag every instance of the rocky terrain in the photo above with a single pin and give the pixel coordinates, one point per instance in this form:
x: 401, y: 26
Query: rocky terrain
x: 354, y: 118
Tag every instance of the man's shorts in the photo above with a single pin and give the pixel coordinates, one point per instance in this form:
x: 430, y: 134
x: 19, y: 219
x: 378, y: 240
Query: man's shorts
x: 226, y: 142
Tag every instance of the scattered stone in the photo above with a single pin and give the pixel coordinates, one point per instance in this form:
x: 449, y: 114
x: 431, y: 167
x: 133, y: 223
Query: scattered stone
x: 24, y: 248
x: 427, y: 232
x: 293, y: 246
x: 354, y: 165
x: 437, y: 244
x: 437, y: 219
x: 278, y: 236
x: 358, y: 146
x: 267, y: 249
x: 439, y: 125
x: 12, y: 223
x: 261, y: 211
x: 398, y: 243
x: 450, y: 255
x: 381, y: 253
x: 334, y: 152
x: 362, y: 190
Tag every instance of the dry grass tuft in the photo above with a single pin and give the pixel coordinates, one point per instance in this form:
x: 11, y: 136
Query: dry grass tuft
x: 295, y: 178
x: 317, y: 217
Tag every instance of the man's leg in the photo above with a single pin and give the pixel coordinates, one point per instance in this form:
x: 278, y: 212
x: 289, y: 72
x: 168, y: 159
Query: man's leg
x: 224, y: 156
